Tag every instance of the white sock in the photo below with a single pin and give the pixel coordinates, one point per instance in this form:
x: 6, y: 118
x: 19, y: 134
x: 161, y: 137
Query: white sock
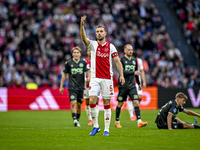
x: 130, y: 108
x: 139, y: 120
x: 88, y: 112
x: 107, y: 118
x: 97, y: 107
x: 94, y: 116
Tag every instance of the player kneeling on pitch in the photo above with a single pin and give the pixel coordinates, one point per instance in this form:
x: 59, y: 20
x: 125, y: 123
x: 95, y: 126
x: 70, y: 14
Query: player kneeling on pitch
x: 166, y: 118
x: 76, y: 69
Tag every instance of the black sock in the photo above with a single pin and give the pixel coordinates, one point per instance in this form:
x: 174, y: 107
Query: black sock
x: 196, y: 126
x: 78, y: 116
x: 74, y: 116
x: 137, y: 112
x: 118, y: 110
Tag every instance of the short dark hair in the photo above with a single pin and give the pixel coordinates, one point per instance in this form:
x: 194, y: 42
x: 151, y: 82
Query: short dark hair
x: 101, y: 26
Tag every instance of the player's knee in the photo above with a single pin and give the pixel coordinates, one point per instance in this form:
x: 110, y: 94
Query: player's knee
x: 73, y: 104
x: 106, y: 101
x: 120, y: 104
x: 136, y: 103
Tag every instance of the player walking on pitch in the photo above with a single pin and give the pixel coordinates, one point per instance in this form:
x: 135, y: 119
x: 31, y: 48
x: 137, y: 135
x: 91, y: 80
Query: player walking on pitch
x: 76, y: 69
x: 130, y: 70
x: 131, y: 109
x: 102, y: 53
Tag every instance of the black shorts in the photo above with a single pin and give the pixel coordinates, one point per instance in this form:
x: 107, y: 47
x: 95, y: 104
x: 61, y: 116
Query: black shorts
x: 124, y: 92
x: 175, y: 125
x: 76, y: 95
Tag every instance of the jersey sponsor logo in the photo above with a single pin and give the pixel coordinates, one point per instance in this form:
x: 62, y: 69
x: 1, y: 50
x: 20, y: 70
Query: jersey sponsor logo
x: 130, y: 68
x: 102, y: 54
x: 77, y: 70
x: 46, y: 101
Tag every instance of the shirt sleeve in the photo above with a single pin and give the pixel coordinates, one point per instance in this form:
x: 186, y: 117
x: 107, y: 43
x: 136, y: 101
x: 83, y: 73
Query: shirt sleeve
x: 86, y: 67
x: 91, y: 46
x: 140, y: 65
x: 173, y: 110
x: 66, y: 70
x: 181, y: 109
x: 113, y: 50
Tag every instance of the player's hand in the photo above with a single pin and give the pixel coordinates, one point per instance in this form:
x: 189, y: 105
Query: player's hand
x: 144, y: 84
x: 87, y: 81
x: 83, y: 19
x: 137, y: 73
x: 140, y: 87
x: 122, y: 80
x: 61, y: 90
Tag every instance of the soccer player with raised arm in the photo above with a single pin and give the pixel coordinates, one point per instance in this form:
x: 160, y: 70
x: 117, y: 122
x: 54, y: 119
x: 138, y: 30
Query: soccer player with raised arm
x: 139, y: 89
x: 130, y: 69
x: 76, y: 69
x: 102, y: 53
x: 166, y: 118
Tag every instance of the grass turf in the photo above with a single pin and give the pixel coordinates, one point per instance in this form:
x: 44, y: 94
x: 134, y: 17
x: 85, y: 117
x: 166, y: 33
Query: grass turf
x: 26, y: 130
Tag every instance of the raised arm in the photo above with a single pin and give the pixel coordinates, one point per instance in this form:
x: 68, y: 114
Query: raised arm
x: 82, y: 31
x: 120, y: 69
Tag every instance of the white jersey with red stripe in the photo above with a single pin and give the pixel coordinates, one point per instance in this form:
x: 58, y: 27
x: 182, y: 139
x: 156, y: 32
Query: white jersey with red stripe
x: 89, y: 63
x: 101, y: 59
x: 140, y: 67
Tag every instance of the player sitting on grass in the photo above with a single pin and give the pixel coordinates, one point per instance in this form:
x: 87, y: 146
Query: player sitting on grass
x: 166, y: 118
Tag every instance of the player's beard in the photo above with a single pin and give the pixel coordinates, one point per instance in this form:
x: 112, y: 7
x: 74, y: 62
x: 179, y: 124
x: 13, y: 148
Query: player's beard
x: 100, y: 39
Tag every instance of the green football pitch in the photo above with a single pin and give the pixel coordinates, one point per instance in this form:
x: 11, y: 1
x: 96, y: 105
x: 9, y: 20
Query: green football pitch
x: 26, y: 130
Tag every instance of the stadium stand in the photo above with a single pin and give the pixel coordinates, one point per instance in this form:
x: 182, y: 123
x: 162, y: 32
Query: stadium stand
x: 36, y: 38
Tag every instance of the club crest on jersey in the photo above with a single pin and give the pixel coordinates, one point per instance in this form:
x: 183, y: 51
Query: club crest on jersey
x: 106, y: 49
x: 81, y: 65
x: 71, y: 65
x: 134, y: 62
x: 125, y: 62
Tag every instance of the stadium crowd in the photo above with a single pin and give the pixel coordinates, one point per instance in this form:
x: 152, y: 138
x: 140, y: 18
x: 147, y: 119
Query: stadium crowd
x: 36, y: 38
x: 189, y: 14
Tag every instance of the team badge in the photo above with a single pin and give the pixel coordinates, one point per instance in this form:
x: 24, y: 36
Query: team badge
x: 134, y: 62
x: 81, y: 65
x: 105, y: 49
x: 125, y: 62
x: 120, y: 98
x: 135, y: 96
x: 72, y: 97
x: 71, y: 65
x: 174, y: 110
